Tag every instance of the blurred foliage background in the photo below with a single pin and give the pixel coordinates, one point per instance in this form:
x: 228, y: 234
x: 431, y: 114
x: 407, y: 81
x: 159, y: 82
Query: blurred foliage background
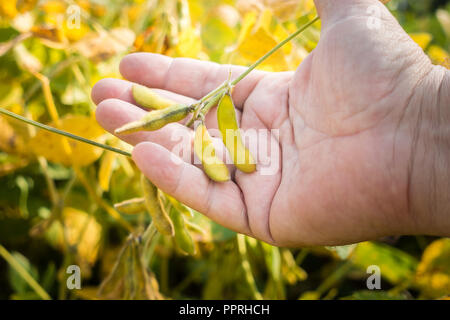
x: 57, y: 196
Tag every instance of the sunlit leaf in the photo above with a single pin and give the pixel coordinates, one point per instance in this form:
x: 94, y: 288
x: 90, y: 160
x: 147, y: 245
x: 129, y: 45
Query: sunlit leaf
x: 423, y: 39
x: 395, y: 265
x: 51, y: 145
x: 433, y: 272
x: 102, y: 46
x: 82, y: 232
x: 256, y: 40
x: 106, y: 169
x: 438, y: 55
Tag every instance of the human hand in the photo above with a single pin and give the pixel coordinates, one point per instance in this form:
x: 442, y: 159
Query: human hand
x: 348, y: 139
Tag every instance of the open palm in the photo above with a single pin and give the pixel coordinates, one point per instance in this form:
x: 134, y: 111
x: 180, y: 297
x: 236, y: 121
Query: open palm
x: 343, y: 142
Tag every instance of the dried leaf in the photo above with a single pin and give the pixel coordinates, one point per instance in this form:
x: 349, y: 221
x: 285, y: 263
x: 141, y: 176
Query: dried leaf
x: 101, y: 46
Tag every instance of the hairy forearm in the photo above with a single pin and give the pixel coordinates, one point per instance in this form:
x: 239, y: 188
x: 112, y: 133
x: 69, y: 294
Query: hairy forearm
x: 429, y: 167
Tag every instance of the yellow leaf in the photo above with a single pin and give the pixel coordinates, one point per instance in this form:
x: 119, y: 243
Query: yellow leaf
x: 75, y: 34
x: 189, y: 43
x: 51, y: 145
x: 433, y: 272
x: 257, y: 43
x: 423, y: 39
x: 106, y: 169
x: 438, y: 55
x: 8, y: 9
x: 280, y: 34
x: 81, y: 230
x: 101, y: 46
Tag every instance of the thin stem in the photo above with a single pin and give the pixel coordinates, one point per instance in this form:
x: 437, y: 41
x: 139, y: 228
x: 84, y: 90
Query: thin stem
x: 63, y: 133
x: 211, y: 103
x: 242, y: 248
x: 214, y: 92
x: 54, y: 197
x: 24, y: 273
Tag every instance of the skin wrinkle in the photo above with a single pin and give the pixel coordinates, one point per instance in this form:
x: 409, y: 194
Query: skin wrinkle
x: 252, y: 90
x: 245, y: 210
x: 439, y: 141
x: 417, y: 131
x: 415, y: 139
x: 284, y: 101
x: 207, y: 84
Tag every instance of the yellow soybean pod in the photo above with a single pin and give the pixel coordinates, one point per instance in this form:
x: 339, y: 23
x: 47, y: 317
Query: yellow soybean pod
x: 157, y: 119
x: 204, y: 149
x: 231, y: 136
x: 179, y: 206
x: 155, y: 208
x: 148, y: 98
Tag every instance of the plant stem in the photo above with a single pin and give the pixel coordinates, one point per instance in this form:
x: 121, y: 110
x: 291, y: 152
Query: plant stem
x: 245, y: 263
x: 63, y: 133
x: 24, y: 273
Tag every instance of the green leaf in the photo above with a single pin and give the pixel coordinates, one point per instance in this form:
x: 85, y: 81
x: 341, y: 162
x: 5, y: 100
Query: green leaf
x: 395, y: 265
x: 18, y: 284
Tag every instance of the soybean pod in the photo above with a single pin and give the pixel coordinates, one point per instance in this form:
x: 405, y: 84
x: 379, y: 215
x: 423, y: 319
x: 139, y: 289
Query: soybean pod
x: 231, y: 136
x: 183, y: 238
x: 148, y: 98
x: 131, y: 206
x: 204, y: 149
x: 157, y: 119
x: 155, y: 208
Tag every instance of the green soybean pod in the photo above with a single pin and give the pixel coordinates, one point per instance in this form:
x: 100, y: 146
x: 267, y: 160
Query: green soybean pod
x: 155, y: 208
x: 183, y: 238
x: 179, y: 206
x: 131, y: 206
x: 156, y: 119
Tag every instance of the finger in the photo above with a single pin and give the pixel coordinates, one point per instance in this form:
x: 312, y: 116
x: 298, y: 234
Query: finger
x: 110, y: 88
x: 114, y: 113
x: 222, y: 202
x: 184, y: 76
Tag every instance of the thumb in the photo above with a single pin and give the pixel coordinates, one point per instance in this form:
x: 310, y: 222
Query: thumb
x: 333, y: 11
